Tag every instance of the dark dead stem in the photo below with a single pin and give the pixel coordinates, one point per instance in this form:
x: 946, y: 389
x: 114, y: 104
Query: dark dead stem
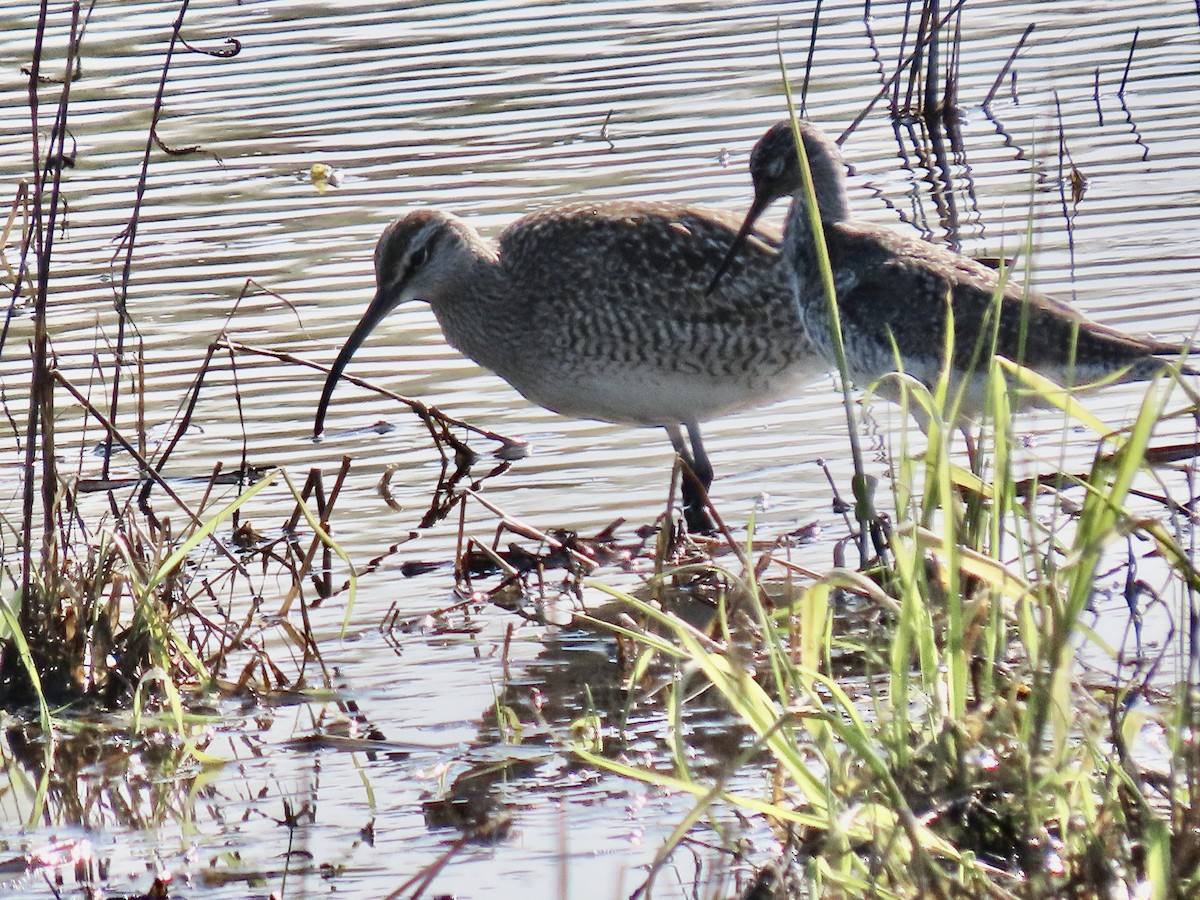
x: 1064, y: 159
x: 892, y: 86
x: 39, y: 436
x: 241, y: 417
x: 1133, y: 127
x: 324, y: 579
x: 312, y: 653
x: 933, y: 59
x: 461, y: 572
x: 315, y: 486
x: 808, y: 62
x: 180, y: 430
x: 895, y: 78
x: 114, y: 436
x: 435, y: 421
x: 950, y: 94
x: 924, y: 50
x: 1129, y: 62
x: 129, y: 238
x: 1008, y: 64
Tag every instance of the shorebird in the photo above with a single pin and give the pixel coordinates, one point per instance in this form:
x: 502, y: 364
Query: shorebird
x: 895, y: 291
x: 600, y: 311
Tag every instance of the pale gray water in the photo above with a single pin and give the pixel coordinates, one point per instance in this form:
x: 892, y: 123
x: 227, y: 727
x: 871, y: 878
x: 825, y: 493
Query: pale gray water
x: 492, y: 110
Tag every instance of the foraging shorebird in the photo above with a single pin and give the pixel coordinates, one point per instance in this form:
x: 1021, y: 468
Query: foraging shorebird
x: 600, y: 311
x: 894, y: 291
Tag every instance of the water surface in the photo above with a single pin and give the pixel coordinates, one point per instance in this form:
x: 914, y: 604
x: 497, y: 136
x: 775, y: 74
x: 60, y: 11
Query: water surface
x: 492, y: 110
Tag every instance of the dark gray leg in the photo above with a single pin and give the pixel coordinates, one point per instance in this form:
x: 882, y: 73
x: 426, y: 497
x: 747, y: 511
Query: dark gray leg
x: 695, y: 507
x: 700, y: 464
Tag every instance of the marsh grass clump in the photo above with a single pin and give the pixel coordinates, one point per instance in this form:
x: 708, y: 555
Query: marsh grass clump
x: 971, y: 753
x: 125, y: 583
x: 131, y: 607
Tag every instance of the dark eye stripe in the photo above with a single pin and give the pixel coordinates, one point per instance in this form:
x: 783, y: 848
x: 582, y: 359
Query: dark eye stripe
x: 423, y: 244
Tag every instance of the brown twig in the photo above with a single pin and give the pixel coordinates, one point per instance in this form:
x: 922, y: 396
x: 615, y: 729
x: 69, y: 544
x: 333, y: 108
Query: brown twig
x: 428, y: 414
x: 143, y: 463
x: 1008, y: 64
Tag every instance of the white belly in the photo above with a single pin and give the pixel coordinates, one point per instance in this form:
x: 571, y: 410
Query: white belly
x: 633, y: 395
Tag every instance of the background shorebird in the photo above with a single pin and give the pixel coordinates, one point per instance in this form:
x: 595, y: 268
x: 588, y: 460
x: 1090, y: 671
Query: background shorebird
x: 895, y: 290
x: 600, y: 311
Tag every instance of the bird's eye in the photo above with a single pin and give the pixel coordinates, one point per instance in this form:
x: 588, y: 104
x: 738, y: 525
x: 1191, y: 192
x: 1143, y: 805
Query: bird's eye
x: 420, y: 256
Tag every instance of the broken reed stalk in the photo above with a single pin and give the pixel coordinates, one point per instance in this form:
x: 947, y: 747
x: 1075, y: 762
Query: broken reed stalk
x: 1008, y: 64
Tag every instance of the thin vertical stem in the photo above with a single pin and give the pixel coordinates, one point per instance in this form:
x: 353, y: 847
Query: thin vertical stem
x: 861, y: 487
x: 39, y: 433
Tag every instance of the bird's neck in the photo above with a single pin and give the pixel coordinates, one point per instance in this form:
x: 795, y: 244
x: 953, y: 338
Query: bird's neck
x: 476, y: 308
x: 829, y: 183
x: 799, y: 241
x: 830, y: 189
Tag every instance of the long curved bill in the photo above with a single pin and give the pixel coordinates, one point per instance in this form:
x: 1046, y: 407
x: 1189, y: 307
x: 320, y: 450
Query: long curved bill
x: 756, y: 209
x: 376, y: 312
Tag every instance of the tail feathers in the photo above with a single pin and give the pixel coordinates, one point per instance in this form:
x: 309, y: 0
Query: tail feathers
x: 1172, y: 352
x: 1164, y: 354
